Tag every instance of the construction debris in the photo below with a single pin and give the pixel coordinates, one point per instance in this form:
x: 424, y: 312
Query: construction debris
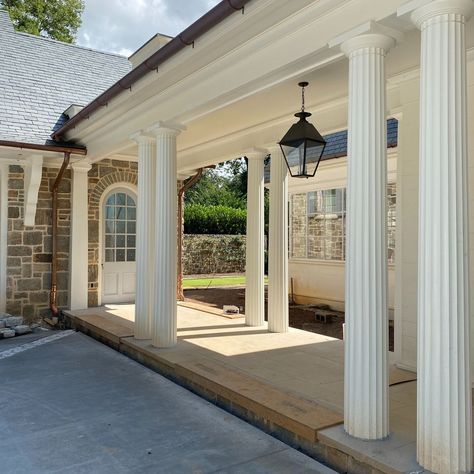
x: 11, y: 326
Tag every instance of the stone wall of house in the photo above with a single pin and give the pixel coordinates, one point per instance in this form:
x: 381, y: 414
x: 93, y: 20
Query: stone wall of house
x: 29, y: 248
x: 208, y: 254
x: 101, y: 176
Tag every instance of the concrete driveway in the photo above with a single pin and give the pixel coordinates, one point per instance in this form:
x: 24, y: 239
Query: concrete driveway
x: 70, y: 404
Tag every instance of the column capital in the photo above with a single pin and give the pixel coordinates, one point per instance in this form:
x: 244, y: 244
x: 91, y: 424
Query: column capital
x: 256, y: 153
x: 423, y: 10
x: 141, y: 137
x: 81, y: 166
x: 165, y: 129
x: 367, y: 35
x: 274, y: 149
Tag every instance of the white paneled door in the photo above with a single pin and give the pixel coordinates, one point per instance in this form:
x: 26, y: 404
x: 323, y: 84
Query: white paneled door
x: 118, y: 247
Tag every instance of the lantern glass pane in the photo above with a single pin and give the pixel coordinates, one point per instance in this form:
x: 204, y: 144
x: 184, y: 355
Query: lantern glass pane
x: 303, y: 161
x: 294, y: 155
x: 314, y: 150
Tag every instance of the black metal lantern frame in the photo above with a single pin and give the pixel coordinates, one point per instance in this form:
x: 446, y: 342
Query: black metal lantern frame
x: 302, y: 146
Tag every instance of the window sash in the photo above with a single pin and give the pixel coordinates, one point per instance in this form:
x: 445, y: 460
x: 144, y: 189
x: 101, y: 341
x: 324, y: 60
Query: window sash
x: 317, y: 226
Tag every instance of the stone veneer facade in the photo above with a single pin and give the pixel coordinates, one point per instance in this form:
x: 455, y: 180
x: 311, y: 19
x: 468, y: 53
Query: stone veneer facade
x: 29, y: 248
x: 101, y: 176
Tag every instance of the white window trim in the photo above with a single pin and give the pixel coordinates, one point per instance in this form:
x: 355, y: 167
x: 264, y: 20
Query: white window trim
x: 290, y: 221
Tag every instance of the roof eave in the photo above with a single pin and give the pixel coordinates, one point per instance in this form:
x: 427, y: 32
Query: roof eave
x: 186, y: 38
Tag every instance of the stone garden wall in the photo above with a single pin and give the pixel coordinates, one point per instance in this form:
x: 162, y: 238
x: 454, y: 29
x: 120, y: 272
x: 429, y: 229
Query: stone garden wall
x: 29, y: 248
x: 209, y: 254
x: 101, y: 176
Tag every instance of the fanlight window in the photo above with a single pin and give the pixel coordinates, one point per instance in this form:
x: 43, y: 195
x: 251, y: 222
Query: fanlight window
x: 120, y: 227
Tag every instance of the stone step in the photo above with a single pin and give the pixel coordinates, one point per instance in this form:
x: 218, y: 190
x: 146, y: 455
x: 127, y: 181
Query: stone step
x: 237, y: 391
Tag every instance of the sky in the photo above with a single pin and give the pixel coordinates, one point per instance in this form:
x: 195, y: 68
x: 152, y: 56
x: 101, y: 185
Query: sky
x: 122, y: 26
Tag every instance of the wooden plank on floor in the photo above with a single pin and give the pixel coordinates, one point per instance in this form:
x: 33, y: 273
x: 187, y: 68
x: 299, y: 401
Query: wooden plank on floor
x: 297, y: 415
x: 113, y: 327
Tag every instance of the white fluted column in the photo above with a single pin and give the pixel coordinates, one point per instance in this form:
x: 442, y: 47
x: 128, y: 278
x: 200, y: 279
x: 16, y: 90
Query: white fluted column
x: 366, y: 335
x: 165, y: 310
x: 79, y: 242
x: 278, y: 244
x: 255, y: 243
x: 145, y: 252
x: 3, y: 234
x: 444, y: 439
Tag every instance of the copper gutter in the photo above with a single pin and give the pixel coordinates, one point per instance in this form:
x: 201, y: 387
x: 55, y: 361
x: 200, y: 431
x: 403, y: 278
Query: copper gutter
x: 54, y: 148
x: 212, y: 18
x: 53, y: 295
x: 188, y: 184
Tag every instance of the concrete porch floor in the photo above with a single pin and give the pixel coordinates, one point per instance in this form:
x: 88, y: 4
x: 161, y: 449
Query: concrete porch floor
x: 290, y: 385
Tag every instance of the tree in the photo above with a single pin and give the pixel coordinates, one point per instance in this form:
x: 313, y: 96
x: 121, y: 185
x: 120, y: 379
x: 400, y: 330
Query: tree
x: 57, y: 19
x: 215, y: 189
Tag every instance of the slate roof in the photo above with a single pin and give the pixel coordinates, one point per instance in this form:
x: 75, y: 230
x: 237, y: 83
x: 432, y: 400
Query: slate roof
x: 40, y: 78
x: 337, y: 142
x: 336, y: 146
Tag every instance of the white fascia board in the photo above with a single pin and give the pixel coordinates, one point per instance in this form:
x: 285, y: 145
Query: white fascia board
x: 33, y: 168
x: 285, y: 49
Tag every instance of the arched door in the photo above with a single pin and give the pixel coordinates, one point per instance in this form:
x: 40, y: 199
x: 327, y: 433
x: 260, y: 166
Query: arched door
x: 119, y: 247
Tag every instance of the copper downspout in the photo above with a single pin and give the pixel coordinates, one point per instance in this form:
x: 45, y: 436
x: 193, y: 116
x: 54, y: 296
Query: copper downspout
x: 53, y: 295
x: 189, y: 183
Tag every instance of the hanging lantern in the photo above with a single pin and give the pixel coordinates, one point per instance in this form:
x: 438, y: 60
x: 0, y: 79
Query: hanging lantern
x: 302, y: 145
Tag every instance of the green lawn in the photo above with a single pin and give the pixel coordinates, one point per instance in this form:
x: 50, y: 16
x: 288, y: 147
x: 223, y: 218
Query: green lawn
x: 216, y: 281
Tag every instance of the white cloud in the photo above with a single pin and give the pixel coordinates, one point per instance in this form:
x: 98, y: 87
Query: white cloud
x: 122, y: 26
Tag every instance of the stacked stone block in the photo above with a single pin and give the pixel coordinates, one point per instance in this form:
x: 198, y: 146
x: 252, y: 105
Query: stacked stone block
x: 29, y: 248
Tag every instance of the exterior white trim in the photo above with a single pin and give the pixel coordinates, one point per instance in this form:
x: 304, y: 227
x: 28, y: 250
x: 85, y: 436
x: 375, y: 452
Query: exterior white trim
x: 112, y: 188
x: 3, y: 234
x: 79, y: 241
x: 278, y: 244
x: 254, y: 257
x: 33, y: 173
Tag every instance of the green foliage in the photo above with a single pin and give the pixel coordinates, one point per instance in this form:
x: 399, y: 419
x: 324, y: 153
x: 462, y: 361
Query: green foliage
x: 57, y: 19
x: 223, y: 187
x: 200, y: 219
x: 215, y: 189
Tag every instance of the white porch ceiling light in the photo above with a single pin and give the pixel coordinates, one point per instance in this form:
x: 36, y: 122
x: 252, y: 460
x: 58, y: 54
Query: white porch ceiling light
x: 302, y: 146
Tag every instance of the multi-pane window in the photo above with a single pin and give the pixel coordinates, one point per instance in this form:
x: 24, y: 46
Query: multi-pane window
x: 391, y: 220
x: 318, y: 224
x: 120, y: 227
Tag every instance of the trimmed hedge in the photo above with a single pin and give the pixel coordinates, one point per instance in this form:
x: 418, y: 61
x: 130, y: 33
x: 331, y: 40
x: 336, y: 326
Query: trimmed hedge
x: 200, y: 219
